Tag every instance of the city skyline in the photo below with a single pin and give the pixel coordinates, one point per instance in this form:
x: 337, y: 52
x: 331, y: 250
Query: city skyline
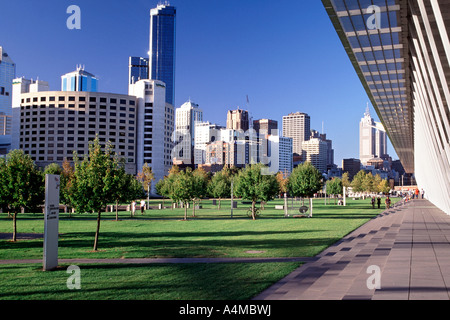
x: 218, y: 64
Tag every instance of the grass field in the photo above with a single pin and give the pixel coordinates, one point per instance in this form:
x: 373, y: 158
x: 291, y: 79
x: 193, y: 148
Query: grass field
x: 162, y: 233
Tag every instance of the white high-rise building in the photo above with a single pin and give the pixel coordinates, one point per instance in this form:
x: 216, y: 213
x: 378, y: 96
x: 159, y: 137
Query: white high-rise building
x: 279, y: 154
x: 372, y: 139
x: 315, y: 151
x: 155, y: 122
x: 19, y: 87
x: 186, y: 118
x: 205, y: 132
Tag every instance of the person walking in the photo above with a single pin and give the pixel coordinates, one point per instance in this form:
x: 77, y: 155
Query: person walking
x: 422, y: 193
x: 387, y: 202
x: 133, y: 208
x: 373, y: 202
x: 417, y: 193
x: 379, y: 202
x: 142, y: 206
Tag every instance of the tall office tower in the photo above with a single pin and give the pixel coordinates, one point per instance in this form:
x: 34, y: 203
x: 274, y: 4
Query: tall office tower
x: 297, y: 126
x: 155, y: 121
x: 137, y: 69
x: 238, y: 120
x: 265, y: 125
x: 372, y: 139
x: 162, y: 48
x: 79, y: 80
x: 186, y: 118
x: 7, y: 74
x: 315, y: 151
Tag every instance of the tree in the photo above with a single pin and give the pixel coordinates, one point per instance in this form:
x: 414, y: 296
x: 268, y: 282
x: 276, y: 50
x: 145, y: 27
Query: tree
x: 252, y: 185
x: 345, y: 180
x: 376, y: 183
x: 66, y: 184
x: 22, y: 184
x: 200, y: 185
x: 146, y: 177
x: 368, y: 183
x: 358, y: 181
x: 94, y: 179
x: 53, y: 168
x: 384, y: 186
x: 305, y: 181
x: 182, y: 188
x: 334, y: 187
x: 282, y: 180
x: 164, y: 188
x: 125, y: 188
x: 220, y: 185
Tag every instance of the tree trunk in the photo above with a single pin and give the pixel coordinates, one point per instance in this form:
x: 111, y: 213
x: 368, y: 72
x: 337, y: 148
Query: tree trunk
x: 219, y: 203
x: 117, y: 210
x: 253, y: 210
x: 185, y: 211
x: 97, y: 231
x: 193, y: 208
x: 310, y: 207
x: 14, y: 227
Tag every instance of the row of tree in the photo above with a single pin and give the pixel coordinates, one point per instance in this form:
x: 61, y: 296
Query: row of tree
x: 250, y: 183
x: 89, y: 186
x: 367, y: 183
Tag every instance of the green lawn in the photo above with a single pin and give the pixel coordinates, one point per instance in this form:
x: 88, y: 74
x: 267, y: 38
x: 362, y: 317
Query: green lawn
x: 161, y: 233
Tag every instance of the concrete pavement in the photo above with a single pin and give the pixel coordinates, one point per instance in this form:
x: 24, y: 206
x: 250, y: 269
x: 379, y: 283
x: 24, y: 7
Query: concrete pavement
x: 406, y: 248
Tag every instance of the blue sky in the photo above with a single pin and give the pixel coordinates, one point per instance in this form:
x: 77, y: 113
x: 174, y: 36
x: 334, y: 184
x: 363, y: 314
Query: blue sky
x: 286, y: 56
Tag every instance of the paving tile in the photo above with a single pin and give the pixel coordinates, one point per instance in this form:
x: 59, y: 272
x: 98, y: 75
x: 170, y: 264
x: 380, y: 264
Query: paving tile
x: 411, y: 246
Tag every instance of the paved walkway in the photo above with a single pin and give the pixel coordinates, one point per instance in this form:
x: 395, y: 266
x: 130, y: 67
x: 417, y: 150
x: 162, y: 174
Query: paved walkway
x: 409, y: 244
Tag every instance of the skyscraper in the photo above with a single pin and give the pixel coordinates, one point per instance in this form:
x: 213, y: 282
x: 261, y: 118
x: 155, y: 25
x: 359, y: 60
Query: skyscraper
x: 315, y: 151
x: 238, y: 120
x: 79, y: 80
x: 372, y: 139
x: 137, y: 69
x: 7, y: 74
x: 154, y: 125
x: 186, y: 118
x: 162, y: 48
x: 298, y: 127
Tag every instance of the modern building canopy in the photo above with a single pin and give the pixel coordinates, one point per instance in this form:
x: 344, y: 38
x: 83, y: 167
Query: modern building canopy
x: 400, y: 50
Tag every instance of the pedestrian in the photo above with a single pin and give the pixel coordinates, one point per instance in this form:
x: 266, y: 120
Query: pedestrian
x: 373, y: 202
x: 133, y: 208
x: 417, y: 193
x: 387, y: 202
x: 379, y: 202
x: 422, y: 193
x: 142, y: 206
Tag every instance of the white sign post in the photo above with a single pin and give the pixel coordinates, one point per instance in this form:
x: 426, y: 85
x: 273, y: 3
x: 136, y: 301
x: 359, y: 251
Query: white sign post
x: 51, y: 220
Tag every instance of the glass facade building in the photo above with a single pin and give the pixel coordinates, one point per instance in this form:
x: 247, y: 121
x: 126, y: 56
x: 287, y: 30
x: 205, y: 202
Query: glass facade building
x: 7, y: 74
x: 401, y: 52
x: 137, y: 69
x: 79, y: 80
x: 162, y: 48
